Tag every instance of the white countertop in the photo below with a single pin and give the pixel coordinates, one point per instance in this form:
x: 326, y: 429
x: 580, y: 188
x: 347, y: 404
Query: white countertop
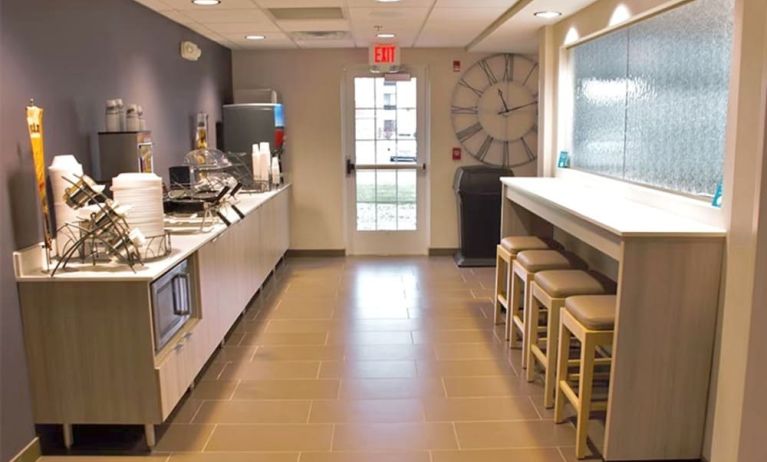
x: 183, y: 245
x: 618, y: 215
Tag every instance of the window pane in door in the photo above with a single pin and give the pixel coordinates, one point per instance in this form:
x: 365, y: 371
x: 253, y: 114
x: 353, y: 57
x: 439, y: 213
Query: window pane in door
x: 386, y: 200
x: 406, y: 197
x: 364, y: 92
x: 365, y: 124
x: 406, y: 94
x: 366, y: 200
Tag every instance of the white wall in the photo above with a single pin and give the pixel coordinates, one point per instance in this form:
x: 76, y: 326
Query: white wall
x: 736, y: 416
x: 309, y: 82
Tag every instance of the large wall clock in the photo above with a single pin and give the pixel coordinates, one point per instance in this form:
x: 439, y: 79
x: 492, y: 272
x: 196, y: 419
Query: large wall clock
x: 495, y: 110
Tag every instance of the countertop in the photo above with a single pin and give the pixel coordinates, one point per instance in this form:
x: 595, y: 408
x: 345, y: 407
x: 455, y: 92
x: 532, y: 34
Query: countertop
x: 183, y: 245
x: 609, y: 211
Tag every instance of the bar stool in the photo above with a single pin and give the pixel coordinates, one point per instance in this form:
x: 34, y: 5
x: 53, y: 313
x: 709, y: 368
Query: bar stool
x: 591, y: 320
x: 506, y: 251
x: 548, y: 292
x: 523, y: 269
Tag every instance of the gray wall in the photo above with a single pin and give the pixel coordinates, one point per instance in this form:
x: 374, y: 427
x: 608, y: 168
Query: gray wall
x: 71, y: 56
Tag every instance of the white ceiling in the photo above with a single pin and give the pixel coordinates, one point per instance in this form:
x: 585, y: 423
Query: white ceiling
x: 416, y: 23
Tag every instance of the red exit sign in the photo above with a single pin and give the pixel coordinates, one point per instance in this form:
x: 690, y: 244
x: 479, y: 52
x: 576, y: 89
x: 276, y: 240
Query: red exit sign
x: 384, y: 54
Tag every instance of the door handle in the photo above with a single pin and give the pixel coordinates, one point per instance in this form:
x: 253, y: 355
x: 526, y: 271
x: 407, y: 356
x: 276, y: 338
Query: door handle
x: 350, y: 166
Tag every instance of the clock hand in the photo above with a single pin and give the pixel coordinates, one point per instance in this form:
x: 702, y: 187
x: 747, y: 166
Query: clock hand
x: 503, y: 100
x: 517, y: 107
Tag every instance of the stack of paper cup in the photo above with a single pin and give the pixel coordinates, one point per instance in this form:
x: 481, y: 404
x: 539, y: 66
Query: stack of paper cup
x: 264, y: 161
x: 143, y: 193
x: 63, y: 168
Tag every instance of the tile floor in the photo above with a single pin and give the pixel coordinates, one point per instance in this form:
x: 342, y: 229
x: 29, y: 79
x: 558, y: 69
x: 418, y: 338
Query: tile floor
x: 362, y: 360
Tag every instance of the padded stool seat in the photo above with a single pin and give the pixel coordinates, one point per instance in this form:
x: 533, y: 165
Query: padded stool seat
x: 595, y: 312
x: 542, y: 260
x: 516, y: 244
x: 564, y: 283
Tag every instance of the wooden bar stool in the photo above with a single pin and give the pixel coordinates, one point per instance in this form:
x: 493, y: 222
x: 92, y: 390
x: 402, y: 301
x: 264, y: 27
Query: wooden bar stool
x: 548, y: 292
x: 523, y: 269
x: 506, y: 251
x: 591, y: 320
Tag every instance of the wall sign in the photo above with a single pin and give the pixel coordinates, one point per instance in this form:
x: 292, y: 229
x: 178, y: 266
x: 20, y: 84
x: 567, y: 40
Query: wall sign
x: 384, y: 54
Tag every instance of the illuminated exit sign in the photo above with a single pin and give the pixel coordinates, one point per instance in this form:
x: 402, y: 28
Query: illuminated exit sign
x: 384, y: 54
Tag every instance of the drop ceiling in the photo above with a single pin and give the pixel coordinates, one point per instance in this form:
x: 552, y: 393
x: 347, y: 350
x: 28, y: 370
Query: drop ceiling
x: 479, y: 25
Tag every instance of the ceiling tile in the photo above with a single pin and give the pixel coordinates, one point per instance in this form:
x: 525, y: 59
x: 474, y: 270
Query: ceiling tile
x: 225, y: 4
x: 275, y: 40
x: 348, y: 43
x: 298, y: 3
x: 400, y: 4
x: 242, y: 28
x: 502, y: 4
x: 222, y: 16
x: 324, y: 25
x: 455, y: 27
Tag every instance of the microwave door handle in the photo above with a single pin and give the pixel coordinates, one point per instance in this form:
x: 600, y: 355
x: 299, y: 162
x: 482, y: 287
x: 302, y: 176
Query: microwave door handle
x: 185, y: 296
x: 178, y: 308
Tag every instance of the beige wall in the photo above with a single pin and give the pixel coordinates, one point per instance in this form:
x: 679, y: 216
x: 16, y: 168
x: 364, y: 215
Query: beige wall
x: 737, y: 406
x: 309, y: 82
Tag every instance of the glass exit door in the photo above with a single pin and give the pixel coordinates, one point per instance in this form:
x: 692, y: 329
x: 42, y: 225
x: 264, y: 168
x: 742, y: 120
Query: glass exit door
x: 386, y: 165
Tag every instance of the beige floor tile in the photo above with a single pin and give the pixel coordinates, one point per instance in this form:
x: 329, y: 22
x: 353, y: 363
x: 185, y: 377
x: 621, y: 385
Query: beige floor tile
x: 214, y: 389
x: 261, y: 338
x: 235, y: 457
x: 529, y: 434
x: 499, y: 455
x: 266, y: 369
x: 489, y: 386
x: 303, y: 312
x: 367, y: 411
x: 464, y: 368
x: 287, y: 389
x: 372, y: 312
x: 478, y: 409
x: 453, y: 336
x: 336, y: 456
x: 299, y: 353
x: 299, y: 326
x: 445, y: 351
x: 251, y: 412
x: 234, y: 353
x: 182, y: 437
x: 369, y: 338
x: 368, y: 369
x: 405, y: 436
x: 305, y: 437
x: 390, y: 388
x: 185, y: 411
x: 453, y: 313
x: 389, y: 352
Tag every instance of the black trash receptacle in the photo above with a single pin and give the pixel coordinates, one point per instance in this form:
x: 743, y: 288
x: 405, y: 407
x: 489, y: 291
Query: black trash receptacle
x: 478, y: 190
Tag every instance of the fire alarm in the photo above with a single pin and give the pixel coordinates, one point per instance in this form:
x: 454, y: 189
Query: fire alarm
x: 190, y: 51
x: 456, y: 153
x: 456, y: 65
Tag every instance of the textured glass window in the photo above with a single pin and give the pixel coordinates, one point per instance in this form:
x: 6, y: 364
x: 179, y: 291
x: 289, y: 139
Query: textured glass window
x: 650, y: 100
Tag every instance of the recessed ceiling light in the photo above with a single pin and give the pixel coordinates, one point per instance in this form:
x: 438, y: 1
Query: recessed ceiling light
x: 206, y: 2
x: 255, y: 37
x: 547, y: 14
x: 385, y: 35
x: 387, y: 1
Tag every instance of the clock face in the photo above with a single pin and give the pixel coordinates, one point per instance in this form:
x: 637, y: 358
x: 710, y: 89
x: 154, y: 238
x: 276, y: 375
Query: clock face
x: 495, y: 110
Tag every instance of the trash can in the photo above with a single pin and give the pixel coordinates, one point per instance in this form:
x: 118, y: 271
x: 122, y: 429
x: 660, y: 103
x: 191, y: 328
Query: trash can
x: 478, y: 190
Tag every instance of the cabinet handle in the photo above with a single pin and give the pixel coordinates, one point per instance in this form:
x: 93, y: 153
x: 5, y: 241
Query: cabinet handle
x: 179, y: 345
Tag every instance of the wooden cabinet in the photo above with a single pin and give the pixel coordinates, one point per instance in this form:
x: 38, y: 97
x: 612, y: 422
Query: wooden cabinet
x: 90, y: 345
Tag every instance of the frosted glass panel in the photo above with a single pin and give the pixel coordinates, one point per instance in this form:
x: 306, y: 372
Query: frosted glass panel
x: 660, y: 120
x: 600, y: 104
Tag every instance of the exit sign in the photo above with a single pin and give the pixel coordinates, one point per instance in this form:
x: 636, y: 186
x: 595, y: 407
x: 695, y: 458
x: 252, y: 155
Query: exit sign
x: 384, y: 54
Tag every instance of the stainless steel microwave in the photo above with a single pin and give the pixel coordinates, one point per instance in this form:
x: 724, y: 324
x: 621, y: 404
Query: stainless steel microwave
x: 172, y: 303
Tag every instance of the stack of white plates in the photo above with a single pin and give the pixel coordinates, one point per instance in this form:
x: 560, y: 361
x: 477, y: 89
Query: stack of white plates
x: 63, y: 168
x: 142, y: 192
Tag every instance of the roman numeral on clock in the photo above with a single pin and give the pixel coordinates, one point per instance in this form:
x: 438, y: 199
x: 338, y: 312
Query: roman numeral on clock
x: 488, y: 72
x: 468, y: 132
x: 474, y: 110
x: 466, y: 84
x: 485, y: 148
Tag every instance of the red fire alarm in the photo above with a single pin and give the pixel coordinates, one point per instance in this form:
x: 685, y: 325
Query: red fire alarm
x: 456, y: 65
x: 456, y: 153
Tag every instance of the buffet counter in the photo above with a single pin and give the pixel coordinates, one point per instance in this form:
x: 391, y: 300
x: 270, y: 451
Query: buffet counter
x: 106, y: 345
x: 669, y: 274
x: 27, y: 262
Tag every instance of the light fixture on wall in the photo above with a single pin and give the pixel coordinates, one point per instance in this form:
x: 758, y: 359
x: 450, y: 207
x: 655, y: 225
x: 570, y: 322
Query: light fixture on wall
x: 386, y: 35
x: 620, y: 14
x: 255, y: 37
x: 547, y: 14
x: 206, y: 2
x: 572, y: 36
